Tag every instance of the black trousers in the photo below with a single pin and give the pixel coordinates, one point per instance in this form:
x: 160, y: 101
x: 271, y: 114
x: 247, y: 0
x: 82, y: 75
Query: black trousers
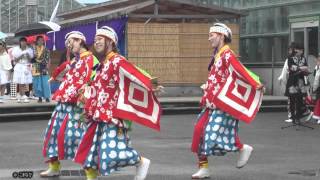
x: 296, y: 106
x: 305, y: 110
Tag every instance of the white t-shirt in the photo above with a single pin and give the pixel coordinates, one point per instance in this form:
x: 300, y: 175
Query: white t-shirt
x: 5, y: 61
x: 17, y: 52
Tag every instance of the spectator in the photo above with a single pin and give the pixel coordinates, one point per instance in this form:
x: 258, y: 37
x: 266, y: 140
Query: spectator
x: 307, y: 114
x: 316, y: 90
x: 297, y: 85
x: 5, y: 69
x: 284, y: 77
x: 12, y: 89
x: 22, y: 76
x: 40, y: 70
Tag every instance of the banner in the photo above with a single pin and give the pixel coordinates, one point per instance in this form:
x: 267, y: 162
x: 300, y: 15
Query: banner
x: 136, y: 100
x: 237, y: 97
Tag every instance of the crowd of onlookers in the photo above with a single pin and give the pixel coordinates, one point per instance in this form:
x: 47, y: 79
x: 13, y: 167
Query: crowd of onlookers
x: 24, y: 71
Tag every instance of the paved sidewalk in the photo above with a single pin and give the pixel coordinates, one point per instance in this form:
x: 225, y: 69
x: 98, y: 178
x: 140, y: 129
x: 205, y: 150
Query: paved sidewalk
x: 33, y: 102
x: 11, y: 110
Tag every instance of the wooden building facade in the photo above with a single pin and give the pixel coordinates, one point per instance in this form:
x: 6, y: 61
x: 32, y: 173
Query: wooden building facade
x: 168, y: 38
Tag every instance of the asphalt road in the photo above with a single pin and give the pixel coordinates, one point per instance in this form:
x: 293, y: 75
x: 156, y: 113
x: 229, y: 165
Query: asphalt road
x: 278, y: 154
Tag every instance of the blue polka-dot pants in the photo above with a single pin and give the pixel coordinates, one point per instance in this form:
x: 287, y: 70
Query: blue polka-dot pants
x: 65, y: 116
x: 220, y: 135
x: 111, y: 149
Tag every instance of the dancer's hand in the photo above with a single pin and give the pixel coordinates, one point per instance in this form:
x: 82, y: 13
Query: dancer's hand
x: 261, y: 87
x: 81, y: 96
x: 158, y: 89
x: 203, y: 86
x: 303, y: 68
x: 84, y: 93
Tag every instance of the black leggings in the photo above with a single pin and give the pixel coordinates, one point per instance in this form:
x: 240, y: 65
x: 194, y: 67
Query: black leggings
x: 296, y: 106
x: 305, y: 110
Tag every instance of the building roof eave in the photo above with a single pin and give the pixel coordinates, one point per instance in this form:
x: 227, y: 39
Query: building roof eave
x: 137, y: 10
x: 89, y: 8
x: 108, y: 14
x: 213, y: 7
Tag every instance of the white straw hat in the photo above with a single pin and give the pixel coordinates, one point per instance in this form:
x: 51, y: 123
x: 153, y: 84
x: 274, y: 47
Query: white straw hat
x: 75, y: 34
x: 221, y: 28
x: 108, y: 32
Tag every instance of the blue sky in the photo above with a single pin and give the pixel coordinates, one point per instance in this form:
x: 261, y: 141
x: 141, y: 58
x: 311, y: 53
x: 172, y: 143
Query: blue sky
x: 91, y: 1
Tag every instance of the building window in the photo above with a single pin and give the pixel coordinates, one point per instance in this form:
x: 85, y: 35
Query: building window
x: 305, y: 8
x: 41, y: 2
x: 22, y: 2
x: 31, y: 2
x: 236, y: 4
x: 4, y: 16
x: 32, y: 14
x: 269, y: 20
x: 67, y: 6
x: 41, y: 13
x: 13, y: 15
x: 264, y: 50
x: 22, y: 16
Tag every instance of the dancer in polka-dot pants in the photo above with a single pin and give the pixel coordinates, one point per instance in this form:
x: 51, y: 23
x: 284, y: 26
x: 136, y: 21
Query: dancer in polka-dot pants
x: 220, y: 135
x: 105, y: 145
x: 64, y: 131
x: 109, y: 149
x: 67, y: 136
x: 216, y: 132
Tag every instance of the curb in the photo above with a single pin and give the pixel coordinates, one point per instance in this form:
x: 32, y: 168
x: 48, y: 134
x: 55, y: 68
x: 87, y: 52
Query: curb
x: 45, y: 115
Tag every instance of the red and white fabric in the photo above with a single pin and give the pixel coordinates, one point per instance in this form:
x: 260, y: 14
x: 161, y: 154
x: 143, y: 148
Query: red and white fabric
x: 316, y: 110
x: 60, y: 72
x: 231, y: 88
x: 136, y: 100
x: 120, y: 91
x: 75, y: 78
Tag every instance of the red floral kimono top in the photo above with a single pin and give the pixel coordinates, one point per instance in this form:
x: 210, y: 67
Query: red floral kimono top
x: 75, y: 78
x: 103, y: 92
